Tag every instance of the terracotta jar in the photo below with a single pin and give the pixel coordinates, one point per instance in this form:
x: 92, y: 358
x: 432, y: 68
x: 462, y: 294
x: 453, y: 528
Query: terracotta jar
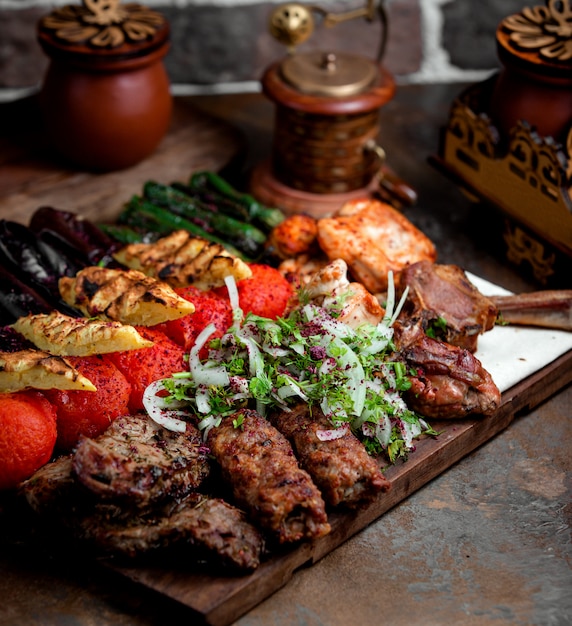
x: 535, y: 84
x: 105, y: 98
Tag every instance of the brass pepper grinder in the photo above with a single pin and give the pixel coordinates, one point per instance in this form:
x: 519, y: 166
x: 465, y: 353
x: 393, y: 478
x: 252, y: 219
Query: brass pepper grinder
x: 105, y: 98
x: 325, y: 148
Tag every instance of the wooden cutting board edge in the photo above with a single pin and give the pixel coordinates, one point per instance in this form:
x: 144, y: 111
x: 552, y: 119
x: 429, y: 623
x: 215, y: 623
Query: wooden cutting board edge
x: 220, y: 600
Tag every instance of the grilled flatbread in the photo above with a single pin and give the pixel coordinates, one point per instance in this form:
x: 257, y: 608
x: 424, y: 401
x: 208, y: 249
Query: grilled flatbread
x: 180, y: 259
x: 60, y: 334
x: 36, y: 369
x: 126, y: 296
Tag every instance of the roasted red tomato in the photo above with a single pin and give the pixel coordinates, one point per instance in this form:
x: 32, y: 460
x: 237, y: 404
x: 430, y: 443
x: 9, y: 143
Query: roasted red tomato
x: 27, y: 435
x: 209, y: 308
x: 265, y: 293
x: 90, y: 412
x: 146, y: 365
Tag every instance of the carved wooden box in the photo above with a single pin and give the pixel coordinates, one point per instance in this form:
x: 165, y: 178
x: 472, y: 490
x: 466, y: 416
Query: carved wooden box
x: 495, y: 145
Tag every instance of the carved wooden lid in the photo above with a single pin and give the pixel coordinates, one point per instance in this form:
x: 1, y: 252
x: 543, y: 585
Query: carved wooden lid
x: 539, y: 38
x: 102, y: 29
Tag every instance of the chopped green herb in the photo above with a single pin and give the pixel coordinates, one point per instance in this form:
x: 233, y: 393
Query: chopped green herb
x: 310, y: 356
x: 436, y: 328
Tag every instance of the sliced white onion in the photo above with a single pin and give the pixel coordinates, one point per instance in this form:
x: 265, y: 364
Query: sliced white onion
x: 154, y: 405
x: 349, y: 363
x: 237, y: 313
x: 209, y: 422
x: 333, y: 433
x: 255, y: 358
x: 383, y: 431
x: 202, y: 399
x: 289, y: 389
x: 206, y: 373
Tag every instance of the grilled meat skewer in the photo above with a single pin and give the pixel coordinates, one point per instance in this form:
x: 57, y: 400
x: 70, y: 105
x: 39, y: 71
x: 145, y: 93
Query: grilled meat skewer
x: 341, y: 468
x: 259, y: 464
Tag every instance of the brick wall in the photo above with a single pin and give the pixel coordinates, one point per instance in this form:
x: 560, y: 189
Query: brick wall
x: 225, y: 45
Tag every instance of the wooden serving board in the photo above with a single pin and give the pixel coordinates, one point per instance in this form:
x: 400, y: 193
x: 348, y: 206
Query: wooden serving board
x: 32, y: 176
x: 222, y: 600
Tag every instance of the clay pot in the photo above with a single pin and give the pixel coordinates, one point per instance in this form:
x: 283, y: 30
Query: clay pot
x: 106, y: 109
x: 531, y: 89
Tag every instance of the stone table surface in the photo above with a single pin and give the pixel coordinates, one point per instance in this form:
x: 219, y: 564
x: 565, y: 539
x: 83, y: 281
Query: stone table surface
x: 487, y: 542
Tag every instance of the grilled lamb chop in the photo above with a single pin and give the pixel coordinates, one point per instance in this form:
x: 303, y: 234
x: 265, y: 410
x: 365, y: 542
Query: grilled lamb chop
x: 198, y: 527
x: 450, y: 381
x: 259, y: 463
x: 546, y: 309
x: 444, y: 302
x: 140, y: 462
x: 341, y: 468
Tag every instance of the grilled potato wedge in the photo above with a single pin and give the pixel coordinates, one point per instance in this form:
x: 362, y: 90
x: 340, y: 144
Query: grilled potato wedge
x: 180, y: 259
x: 36, y: 369
x: 126, y: 296
x: 60, y: 334
x: 373, y: 239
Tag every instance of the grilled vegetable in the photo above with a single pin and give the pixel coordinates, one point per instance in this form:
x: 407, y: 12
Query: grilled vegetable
x: 39, y: 370
x: 13, y: 341
x: 68, y: 336
x: 246, y: 237
x: 21, y: 255
x: 35, y: 264
x: 82, y: 236
x: 265, y: 217
x: 179, y: 259
x: 18, y: 299
x: 214, y: 200
x: 123, y: 234
x: 140, y: 213
x: 126, y: 296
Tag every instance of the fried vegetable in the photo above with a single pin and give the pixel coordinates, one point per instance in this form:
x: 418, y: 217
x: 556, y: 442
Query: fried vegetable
x: 144, y: 366
x: 142, y: 214
x: 31, y: 261
x: 27, y: 436
x: 210, y: 308
x: 266, y: 293
x: 84, y: 412
x: 18, y: 299
x: 76, y: 232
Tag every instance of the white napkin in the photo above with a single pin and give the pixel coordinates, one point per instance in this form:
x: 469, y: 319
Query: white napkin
x: 512, y: 353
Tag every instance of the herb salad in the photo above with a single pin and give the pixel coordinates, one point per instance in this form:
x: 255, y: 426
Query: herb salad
x: 310, y: 355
